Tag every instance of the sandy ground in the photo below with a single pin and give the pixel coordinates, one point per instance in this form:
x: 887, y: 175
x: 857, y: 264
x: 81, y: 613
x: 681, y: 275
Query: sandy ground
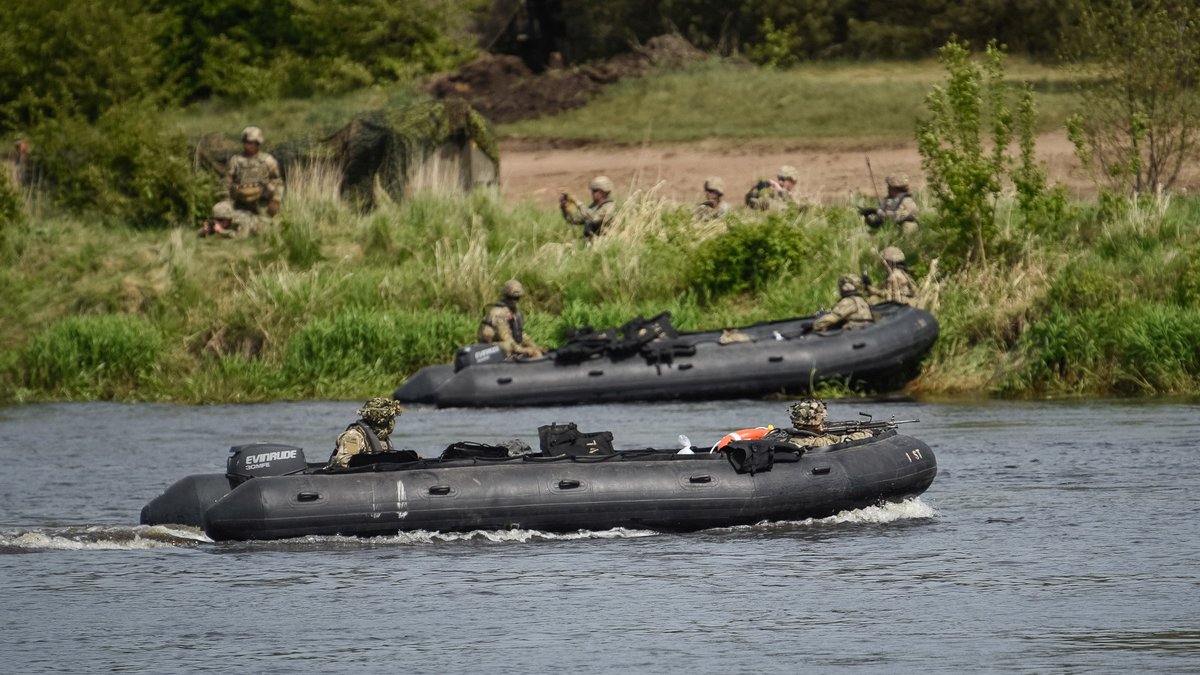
x: 829, y: 173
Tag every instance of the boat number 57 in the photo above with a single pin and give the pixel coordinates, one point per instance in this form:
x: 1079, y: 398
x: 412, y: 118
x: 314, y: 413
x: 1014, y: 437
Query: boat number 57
x: 913, y: 455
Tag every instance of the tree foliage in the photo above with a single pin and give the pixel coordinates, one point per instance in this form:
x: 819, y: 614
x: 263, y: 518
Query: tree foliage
x: 964, y: 147
x: 75, y: 57
x: 1141, y: 107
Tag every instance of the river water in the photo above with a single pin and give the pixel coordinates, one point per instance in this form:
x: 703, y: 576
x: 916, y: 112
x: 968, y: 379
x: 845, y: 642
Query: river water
x: 1057, y: 537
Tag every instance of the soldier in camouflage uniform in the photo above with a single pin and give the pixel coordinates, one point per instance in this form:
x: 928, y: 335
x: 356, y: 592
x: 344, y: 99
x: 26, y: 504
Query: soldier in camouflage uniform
x: 595, y: 217
x: 369, y: 433
x: 503, y: 324
x: 898, y: 208
x: 776, y: 195
x: 852, y: 311
x: 714, y: 205
x: 808, y: 427
x: 253, y: 183
x: 899, y: 287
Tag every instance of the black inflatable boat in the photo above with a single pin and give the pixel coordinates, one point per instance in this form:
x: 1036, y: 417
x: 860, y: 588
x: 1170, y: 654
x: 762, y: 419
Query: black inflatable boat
x: 270, y: 492
x: 766, y: 358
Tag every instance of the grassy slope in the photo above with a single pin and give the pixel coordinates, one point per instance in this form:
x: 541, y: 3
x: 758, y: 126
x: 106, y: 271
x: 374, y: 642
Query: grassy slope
x: 334, y: 303
x: 878, y: 101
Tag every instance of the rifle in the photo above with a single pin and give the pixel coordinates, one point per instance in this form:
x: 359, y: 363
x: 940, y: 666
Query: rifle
x: 851, y: 426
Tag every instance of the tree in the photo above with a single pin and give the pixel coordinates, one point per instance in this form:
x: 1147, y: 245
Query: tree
x: 1141, y: 105
x: 76, y: 57
x: 965, y: 178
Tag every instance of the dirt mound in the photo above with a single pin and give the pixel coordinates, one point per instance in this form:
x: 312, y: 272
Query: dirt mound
x: 505, y: 90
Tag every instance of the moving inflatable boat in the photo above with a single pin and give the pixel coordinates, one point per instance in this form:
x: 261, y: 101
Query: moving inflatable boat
x: 653, y: 362
x: 576, y: 482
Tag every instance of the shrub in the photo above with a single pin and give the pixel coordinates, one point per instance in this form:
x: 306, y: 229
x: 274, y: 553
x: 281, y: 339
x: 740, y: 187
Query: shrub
x: 97, y: 356
x: 127, y: 167
x: 749, y: 257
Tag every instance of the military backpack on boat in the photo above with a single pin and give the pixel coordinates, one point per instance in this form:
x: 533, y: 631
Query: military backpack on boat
x: 567, y: 439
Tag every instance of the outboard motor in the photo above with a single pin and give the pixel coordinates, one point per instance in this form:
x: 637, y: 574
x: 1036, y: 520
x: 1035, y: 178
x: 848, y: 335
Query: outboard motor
x: 477, y: 353
x: 263, y: 459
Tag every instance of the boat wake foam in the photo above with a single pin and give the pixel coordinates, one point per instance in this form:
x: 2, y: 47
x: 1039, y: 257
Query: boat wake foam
x: 144, y: 537
x: 102, y: 538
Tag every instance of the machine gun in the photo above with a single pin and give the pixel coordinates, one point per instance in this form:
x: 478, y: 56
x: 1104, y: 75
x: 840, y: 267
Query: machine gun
x: 851, y: 426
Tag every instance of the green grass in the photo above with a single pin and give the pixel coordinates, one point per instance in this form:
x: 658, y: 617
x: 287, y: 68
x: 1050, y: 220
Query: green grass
x: 868, y: 102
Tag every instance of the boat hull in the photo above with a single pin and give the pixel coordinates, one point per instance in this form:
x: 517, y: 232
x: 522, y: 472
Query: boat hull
x: 657, y: 491
x: 782, y: 358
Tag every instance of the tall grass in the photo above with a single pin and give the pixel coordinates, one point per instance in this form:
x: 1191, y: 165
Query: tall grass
x: 93, y: 357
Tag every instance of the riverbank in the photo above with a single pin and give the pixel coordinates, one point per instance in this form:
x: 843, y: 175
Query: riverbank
x: 333, y: 303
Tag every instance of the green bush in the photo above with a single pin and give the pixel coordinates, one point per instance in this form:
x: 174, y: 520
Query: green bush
x: 92, y: 356
x: 77, y: 58
x: 371, y: 345
x: 748, y: 257
x: 127, y: 167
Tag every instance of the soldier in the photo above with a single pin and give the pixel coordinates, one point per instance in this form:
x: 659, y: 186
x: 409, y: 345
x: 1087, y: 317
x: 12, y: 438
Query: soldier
x: 852, y: 311
x: 597, y: 216
x: 898, y: 286
x: 808, y: 427
x: 221, y: 221
x: 253, y: 181
x: 714, y: 205
x: 369, y: 433
x: 775, y: 195
x: 898, y: 208
x: 503, y: 324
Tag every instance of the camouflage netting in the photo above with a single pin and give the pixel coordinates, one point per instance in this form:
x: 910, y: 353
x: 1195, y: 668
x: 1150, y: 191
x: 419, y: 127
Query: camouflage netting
x: 439, y: 145
x: 427, y: 144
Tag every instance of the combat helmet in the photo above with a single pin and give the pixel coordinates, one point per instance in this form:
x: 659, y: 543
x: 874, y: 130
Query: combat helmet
x: 601, y: 183
x: 513, y: 290
x: 897, y: 180
x: 849, y: 283
x: 788, y: 172
x: 252, y: 135
x: 892, y: 255
x: 222, y: 211
x: 714, y: 184
x: 380, y: 414
x: 808, y: 413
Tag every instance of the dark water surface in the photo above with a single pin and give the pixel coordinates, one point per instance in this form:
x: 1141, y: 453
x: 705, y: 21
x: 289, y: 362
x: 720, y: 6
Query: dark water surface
x: 1057, y: 537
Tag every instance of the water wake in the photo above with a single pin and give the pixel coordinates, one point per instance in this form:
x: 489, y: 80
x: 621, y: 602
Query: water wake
x: 144, y: 537
x: 101, y: 538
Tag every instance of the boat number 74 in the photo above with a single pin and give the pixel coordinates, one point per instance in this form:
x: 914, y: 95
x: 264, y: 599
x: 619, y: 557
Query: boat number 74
x: 913, y: 455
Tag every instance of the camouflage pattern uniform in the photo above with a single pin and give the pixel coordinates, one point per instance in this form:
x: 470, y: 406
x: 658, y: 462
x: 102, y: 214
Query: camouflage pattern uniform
x: 768, y: 195
x: 898, y: 207
x: 503, y: 324
x: 808, y: 427
x: 253, y: 183
x: 852, y: 311
x: 899, y: 287
x: 713, y: 209
x: 369, y: 434
x: 597, y: 216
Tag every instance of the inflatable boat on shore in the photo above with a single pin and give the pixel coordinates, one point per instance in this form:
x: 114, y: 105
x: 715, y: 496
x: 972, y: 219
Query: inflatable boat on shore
x: 766, y: 358
x: 269, y: 491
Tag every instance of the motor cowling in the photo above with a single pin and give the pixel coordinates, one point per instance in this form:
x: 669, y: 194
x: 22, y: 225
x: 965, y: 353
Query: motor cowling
x: 477, y: 353
x: 263, y: 459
